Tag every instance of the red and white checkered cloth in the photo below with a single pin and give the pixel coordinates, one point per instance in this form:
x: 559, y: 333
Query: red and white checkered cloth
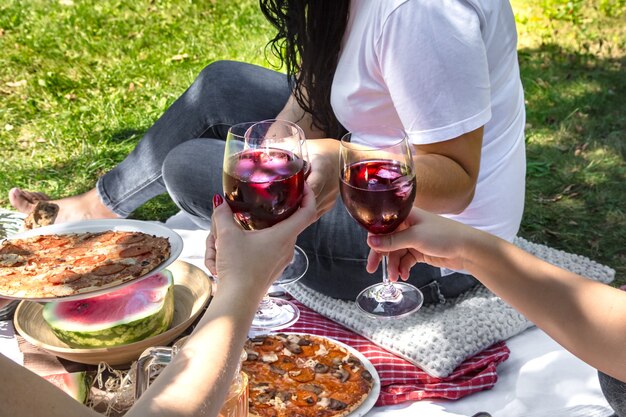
x: 401, y: 380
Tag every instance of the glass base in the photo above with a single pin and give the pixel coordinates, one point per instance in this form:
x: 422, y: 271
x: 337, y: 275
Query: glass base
x: 385, y: 301
x: 296, y: 268
x: 276, y: 314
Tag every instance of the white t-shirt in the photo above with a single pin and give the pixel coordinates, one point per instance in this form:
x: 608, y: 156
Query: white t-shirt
x: 439, y: 69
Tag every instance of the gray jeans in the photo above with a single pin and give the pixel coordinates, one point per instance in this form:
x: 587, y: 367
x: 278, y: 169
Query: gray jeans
x: 182, y: 154
x: 615, y: 393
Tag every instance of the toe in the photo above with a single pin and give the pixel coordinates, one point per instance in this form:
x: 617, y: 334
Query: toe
x: 21, y: 200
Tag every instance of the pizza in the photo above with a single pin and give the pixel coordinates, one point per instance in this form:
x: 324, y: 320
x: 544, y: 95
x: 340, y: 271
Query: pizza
x: 60, y: 265
x: 303, y: 375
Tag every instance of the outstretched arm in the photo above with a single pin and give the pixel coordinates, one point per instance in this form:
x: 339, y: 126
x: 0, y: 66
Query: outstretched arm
x: 586, y: 317
x: 196, y: 382
x: 247, y: 262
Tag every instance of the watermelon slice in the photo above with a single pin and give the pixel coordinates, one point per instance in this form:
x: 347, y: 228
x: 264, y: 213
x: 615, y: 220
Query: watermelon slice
x: 129, y: 314
x: 74, y: 384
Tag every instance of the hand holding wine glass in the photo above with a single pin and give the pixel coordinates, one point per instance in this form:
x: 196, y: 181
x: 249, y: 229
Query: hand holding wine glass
x: 266, y: 251
x: 377, y: 185
x: 263, y: 182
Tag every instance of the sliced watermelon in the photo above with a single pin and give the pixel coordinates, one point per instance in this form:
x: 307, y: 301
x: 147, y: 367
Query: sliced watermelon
x: 74, y: 384
x: 130, y: 314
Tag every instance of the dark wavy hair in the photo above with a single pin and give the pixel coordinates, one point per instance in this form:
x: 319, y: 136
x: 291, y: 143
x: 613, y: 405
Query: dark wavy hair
x: 308, y: 43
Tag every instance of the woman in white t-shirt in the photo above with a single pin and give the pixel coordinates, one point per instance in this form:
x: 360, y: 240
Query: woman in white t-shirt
x: 444, y: 70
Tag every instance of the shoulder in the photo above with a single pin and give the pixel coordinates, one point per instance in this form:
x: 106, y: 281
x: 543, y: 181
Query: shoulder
x: 433, y: 12
x: 422, y: 21
x: 442, y: 6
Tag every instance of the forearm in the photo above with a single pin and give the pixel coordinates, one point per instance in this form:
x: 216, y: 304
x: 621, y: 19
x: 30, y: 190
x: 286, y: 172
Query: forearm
x: 584, y: 316
x: 24, y: 393
x: 198, y: 379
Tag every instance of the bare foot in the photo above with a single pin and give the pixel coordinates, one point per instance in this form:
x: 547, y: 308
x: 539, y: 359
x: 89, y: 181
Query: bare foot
x: 79, y: 207
x: 25, y: 201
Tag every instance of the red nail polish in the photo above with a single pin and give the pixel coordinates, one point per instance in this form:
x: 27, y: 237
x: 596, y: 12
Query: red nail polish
x: 217, y: 200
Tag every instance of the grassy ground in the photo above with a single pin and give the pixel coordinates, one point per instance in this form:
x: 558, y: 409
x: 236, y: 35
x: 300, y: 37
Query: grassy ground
x: 81, y: 80
x: 572, y: 58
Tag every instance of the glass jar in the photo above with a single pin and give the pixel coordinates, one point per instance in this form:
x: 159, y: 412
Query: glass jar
x: 236, y: 403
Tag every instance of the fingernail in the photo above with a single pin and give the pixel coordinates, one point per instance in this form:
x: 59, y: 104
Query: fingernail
x: 375, y: 240
x: 217, y: 200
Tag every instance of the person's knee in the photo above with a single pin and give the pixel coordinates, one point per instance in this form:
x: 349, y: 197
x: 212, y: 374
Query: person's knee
x: 215, y: 79
x: 185, y: 177
x: 175, y: 164
x: 216, y: 70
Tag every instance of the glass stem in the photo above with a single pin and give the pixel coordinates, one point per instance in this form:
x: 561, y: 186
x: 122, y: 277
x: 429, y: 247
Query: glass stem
x: 388, y: 292
x: 267, y: 307
x: 266, y: 302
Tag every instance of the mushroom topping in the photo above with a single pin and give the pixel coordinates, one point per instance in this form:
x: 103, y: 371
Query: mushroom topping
x: 277, y: 370
x: 304, y: 342
x: 252, y: 355
x: 258, y: 340
x: 281, y: 336
x: 284, y: 396
x: 336, y: 404
x: 316, y: 389
x: 366, y: 375
x: 341, y: 374
x: 265, y: 398
x: 352, y: 360
x: 294, y: 348
x: 320, y: 368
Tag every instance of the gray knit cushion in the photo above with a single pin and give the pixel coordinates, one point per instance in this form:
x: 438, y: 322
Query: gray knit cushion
x: 438, y: 338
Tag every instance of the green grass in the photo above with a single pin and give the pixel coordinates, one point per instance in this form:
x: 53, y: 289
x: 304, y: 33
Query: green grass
x: 81, y: 81
x: 572, y: 57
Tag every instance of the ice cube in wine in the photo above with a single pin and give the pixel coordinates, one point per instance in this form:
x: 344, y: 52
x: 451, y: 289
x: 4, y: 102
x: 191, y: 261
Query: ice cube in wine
x: 378, y: 194
x: 263, y: 186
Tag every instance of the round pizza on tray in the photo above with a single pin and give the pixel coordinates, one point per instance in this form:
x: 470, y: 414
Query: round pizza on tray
x: 304, y: 375
x: 61, y: 265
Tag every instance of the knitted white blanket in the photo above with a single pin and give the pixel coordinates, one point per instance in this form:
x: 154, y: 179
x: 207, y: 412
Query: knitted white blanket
x: 438, y: 338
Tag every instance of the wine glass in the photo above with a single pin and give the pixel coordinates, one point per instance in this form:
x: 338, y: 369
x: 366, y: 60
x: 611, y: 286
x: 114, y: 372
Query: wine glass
x: 263, y: 182
x: 377, y: 185
x: 283, y: 128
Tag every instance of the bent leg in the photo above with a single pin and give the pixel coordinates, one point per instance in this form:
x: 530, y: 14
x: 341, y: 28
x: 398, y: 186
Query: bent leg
x: 615, y: 393
x: 192, y: 173
x: 224, y: 93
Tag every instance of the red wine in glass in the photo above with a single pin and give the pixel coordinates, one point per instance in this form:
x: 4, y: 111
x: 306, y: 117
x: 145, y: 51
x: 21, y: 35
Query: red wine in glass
x: 265, y: 166
x: 264, y: 186
x: 378, y: 194
x: 377, y: 186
